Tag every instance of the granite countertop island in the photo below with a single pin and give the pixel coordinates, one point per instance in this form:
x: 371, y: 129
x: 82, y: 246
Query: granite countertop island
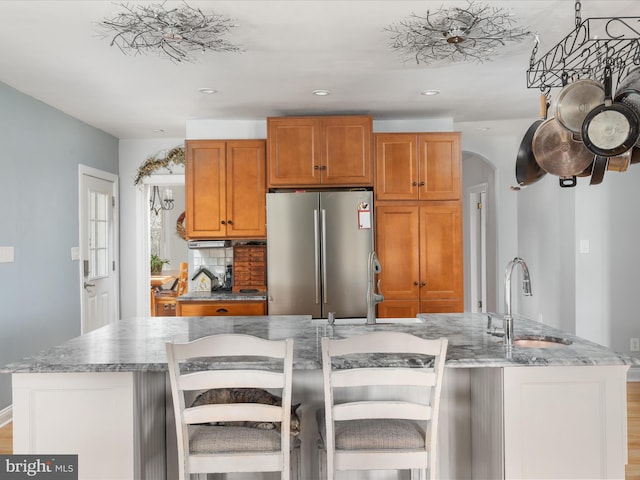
x: 502, y: 412
x: 138, y: 344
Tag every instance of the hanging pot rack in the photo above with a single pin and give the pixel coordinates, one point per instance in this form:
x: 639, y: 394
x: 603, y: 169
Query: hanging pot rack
x: 594, y: 44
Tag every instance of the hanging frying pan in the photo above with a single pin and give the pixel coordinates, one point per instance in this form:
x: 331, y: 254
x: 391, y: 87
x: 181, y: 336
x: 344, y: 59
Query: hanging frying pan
x: 611, y: 128
x: 599, y: 167
x: 557, y: 152
x: 628, y: 92
x: 575, y: 101
x: 528, y: 171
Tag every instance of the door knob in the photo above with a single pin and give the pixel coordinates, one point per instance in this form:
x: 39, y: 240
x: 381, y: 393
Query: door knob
x: 87, y: 285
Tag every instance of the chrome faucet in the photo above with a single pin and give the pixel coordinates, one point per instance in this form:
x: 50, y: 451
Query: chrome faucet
x: 526, y: 290
x: 372, y: 297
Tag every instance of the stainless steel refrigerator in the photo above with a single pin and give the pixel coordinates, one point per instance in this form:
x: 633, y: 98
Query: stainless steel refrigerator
x: 318, y: 245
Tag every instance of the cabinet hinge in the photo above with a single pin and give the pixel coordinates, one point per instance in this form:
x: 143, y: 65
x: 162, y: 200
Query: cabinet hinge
x: 113, y: 201
x: 479, y: 205
x: 480, y: 304
x: 113, y: 265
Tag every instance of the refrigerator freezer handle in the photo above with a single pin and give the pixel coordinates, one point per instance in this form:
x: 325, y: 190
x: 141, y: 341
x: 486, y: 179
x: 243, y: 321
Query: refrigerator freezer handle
x: 316, y: 252
x: 324, y: 255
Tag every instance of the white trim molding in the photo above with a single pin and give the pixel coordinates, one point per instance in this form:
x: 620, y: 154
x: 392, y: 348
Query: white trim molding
x: 6, y: 416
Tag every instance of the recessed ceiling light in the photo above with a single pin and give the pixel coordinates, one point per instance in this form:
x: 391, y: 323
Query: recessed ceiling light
x: 158, y: 130
x: 429, y: 93
x: 483, y: 129
x: 207, y: 91
x: 321, y: 93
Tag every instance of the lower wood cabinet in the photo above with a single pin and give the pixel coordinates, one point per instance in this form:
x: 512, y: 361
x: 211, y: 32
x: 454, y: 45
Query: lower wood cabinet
x: 419, y: 245
x: 209, y: 308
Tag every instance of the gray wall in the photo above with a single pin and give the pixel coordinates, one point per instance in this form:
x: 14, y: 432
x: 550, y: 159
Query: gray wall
x: 594, y: 294
x: 40, y: 150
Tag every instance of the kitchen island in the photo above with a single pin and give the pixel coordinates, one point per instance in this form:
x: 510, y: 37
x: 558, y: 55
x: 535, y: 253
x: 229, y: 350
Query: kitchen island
x: 555, y: 412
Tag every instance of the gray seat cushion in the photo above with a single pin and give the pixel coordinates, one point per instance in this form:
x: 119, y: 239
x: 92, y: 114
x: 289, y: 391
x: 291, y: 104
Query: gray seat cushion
x: 374, y: 434
x: 228, y: 439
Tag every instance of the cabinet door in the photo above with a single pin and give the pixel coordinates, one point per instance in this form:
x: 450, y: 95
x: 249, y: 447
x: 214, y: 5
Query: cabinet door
x: 441, y: 281
x: 205, y: 181
x: 293, y: 151
x: 396, y: 166
x: 397, y: 245
x: 346, y: 151
x: 440, y: 165
x: 398, y: 308
x: 246, y: 189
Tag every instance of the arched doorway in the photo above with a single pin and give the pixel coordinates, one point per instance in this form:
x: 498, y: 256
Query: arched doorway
x: 480, y: 233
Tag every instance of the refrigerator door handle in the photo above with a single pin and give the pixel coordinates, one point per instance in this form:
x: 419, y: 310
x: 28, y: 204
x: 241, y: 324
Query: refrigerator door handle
x: 324, y: 255
x: 316, y: 252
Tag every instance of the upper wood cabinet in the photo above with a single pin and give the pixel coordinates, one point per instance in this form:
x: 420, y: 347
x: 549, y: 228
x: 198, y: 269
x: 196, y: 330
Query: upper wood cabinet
x: 418, y: 166
x: 225, y: 189
x: 319, y: 151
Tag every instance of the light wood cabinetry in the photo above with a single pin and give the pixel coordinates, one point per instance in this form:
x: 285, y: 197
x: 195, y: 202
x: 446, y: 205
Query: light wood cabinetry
x: 419, y: 223
x: 208, y: 308
x: 319, y: 151
x: 225, y: 189
x: 418, y: 166
x: 420, y: 249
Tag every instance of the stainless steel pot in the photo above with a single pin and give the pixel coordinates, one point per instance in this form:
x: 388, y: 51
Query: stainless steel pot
x: 557, y: 152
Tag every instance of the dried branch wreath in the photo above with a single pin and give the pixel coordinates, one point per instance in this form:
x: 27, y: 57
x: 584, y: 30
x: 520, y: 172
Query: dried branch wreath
x: 174, y: 157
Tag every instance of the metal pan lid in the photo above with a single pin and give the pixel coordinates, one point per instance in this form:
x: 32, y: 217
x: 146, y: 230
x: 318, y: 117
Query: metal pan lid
x: 575, y: 101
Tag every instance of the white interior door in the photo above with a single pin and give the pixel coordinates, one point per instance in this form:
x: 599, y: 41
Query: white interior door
x: 478, y: 247
x: 98, y: 248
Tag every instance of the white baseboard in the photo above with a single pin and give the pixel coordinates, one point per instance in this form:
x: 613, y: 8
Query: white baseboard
x: 6, y: 415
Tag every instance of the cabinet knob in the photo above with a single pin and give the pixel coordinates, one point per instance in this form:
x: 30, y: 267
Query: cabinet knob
x: 316, y: 167
x: 415, y: 184
x: 423, y: 284
x: 229, y: 222
x: 223, y: 222
x: 323, y: 167
x: 422, y: 184
x: 415, y: 283
x: 222, y: 310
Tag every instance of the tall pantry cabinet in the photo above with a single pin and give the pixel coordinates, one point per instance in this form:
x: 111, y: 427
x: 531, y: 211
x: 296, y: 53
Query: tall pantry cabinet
x: 419, y: 223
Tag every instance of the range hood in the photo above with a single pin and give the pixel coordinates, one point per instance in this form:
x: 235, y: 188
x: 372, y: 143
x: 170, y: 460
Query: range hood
x: 208, y: 243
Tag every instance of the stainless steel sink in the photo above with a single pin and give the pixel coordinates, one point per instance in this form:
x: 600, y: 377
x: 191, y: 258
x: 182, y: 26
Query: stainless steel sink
x: 536, y: 341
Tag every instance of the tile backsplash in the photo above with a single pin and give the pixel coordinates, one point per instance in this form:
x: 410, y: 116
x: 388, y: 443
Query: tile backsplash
x: 213, y: 259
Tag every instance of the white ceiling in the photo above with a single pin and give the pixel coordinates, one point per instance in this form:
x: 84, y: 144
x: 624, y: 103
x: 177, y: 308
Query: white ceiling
x: 51, y: 51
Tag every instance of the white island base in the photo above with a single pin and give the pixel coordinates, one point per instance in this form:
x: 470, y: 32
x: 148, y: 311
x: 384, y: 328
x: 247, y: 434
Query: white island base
x: 532, y: 422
